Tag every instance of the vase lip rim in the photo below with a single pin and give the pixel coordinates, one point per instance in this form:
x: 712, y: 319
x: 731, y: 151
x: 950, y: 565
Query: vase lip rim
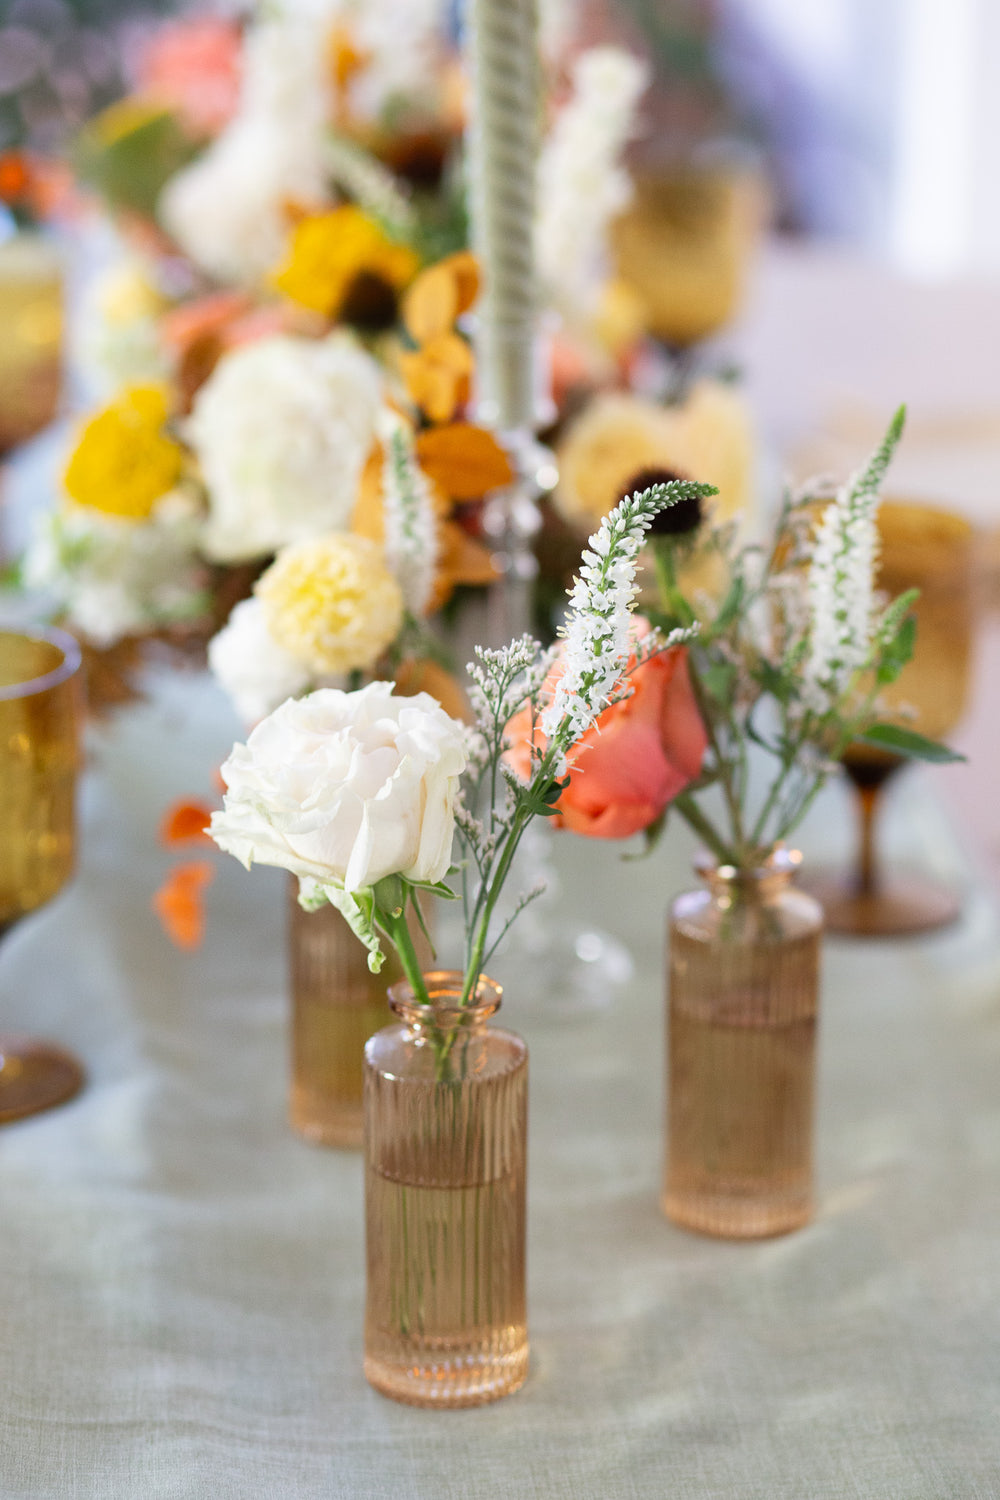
x: 781, y: 861
x: 445, y: 987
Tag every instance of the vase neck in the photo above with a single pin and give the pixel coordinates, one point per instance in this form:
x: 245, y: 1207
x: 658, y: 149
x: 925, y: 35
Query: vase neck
x: 758, y: 883
x: 446, y: 1011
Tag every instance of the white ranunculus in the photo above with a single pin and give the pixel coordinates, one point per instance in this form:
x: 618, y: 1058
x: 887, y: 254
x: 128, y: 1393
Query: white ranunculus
x: 346, y: 788
x: 251, y: 667
x: 228, y: 210
x: 112, y: 578
x: 282, y: 429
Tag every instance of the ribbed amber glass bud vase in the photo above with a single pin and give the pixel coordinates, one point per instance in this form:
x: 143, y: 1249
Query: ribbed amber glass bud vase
x: 445, y: 1137
x: 741, y: 1045
x: 337, y: 1003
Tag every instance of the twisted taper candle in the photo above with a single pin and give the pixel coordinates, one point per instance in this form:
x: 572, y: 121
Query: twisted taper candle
x: 503, y: 155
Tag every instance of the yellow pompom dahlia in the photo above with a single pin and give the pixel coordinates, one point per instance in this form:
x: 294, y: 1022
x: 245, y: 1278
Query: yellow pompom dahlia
x: 124, y: 461
x: 332, y: 602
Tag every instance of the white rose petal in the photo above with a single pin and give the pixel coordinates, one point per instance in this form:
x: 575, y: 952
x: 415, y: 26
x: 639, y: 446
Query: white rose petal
x: 346, y: 788
x: 282, y: 429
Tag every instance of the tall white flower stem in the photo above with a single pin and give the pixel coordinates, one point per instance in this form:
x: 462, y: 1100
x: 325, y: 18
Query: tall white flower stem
x: 503, y: 147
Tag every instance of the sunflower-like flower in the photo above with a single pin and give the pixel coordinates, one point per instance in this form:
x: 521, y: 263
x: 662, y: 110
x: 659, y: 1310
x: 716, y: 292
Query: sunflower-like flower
x: 340, y: 257
x: 124, y: 461
x: 332, y: 602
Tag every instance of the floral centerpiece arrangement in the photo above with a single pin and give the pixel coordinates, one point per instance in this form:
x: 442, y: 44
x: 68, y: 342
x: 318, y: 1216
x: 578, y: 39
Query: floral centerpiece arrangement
x: 791, y: 650
x: 361, y: 795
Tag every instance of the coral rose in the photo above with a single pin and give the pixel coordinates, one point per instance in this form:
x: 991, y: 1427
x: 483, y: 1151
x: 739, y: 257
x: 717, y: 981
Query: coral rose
x: 637, y: 758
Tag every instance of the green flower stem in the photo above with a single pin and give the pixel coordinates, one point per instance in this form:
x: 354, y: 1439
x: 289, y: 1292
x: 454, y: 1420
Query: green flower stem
x: 399, y: 933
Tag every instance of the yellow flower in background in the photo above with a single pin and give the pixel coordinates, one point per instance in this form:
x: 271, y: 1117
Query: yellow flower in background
x: 124, y: 461
x: 707, y: 437
x: 332, y: 602
x: 328, y: 254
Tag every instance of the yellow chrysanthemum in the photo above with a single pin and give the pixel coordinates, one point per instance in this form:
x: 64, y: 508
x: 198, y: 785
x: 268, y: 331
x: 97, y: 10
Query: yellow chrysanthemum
x: 124, y: 461
x: 330, y: 251
x: 332, y: 602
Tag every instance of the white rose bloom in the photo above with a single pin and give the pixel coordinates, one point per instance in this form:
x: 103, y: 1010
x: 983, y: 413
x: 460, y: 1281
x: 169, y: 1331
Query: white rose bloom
x: 112, y: 578
x: 251, y: 667
x: 228, y: 209
x: 346, y: 788
x: 282, y: 429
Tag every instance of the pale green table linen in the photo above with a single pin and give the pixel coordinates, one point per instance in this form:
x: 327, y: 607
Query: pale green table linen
x: 181, y: 1279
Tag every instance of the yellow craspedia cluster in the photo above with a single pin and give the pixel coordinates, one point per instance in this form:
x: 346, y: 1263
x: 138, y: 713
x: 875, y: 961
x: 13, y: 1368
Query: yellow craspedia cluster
x: 332, y: 602
x: 330, y: 251
x: 124, y: 461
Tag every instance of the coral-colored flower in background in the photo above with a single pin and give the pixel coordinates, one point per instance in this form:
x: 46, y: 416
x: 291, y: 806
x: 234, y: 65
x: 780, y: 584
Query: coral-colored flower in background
x: 194, y: 67
x: 638, y: 757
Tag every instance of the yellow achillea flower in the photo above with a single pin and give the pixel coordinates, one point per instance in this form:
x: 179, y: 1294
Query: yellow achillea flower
x: 124, y: 461
x: 332, y: 602
x: 330, y: 251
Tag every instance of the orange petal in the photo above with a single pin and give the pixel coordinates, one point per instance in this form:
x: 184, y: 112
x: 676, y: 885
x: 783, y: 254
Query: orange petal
x: 180, y: 903
x: 465, y: 268
x: 466, y: 461
x: 435, y: 388
x: 426, y: 676
x: 430, y: 307
x: 186, y: 823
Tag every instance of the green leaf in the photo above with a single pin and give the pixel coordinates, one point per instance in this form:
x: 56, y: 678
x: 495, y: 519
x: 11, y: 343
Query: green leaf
x: 717, y: 679
x: 358, y: 910
x: 389, y: 895
x: 906, y: 742
x: 731, y: 606
x: 897, y: 652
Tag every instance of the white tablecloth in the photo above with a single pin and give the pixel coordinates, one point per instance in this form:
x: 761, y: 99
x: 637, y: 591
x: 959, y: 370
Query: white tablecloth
x: 181, y: 1278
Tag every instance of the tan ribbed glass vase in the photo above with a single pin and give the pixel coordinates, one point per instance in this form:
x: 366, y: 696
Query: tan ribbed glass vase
x: 445, y: 1136
x: 337, y: 1003
x: 744, y: 975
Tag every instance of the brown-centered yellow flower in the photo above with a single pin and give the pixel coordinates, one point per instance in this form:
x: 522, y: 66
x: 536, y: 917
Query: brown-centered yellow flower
x: 330, y: 253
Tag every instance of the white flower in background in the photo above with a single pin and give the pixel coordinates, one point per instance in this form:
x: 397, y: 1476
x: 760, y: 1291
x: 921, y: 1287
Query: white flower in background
x: 113, y: 578
x: 411, y: 540
x: 841, y: 583
x: 251, y: 667
x: 346, y: 788
x: 117, y: 329
x: 228, y: 210
x: 402, y: 41
x: 282, y: 429
x: 581, y: 183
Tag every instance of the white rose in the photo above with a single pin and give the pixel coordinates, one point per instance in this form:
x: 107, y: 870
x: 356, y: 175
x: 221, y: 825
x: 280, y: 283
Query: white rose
x: 346, y: 788
x: 282, y: 430
x: 252, y: 668
x: 228, y: 210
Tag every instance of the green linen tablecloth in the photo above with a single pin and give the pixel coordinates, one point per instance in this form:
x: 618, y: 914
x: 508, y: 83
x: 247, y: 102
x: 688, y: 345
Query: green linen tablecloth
x: 181, y: 1278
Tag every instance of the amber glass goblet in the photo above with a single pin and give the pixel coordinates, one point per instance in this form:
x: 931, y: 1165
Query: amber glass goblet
x: 932, y: 550
x: 39, y: 755
x: 683, y: 245
x: 31, y: 316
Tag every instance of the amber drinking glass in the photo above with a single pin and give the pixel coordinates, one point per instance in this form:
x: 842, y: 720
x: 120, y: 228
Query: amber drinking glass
x: 39, y: 725
x: 445, y: 1134
x: 932, y: 550
x: 741, y: 1045
x: 31, y: 318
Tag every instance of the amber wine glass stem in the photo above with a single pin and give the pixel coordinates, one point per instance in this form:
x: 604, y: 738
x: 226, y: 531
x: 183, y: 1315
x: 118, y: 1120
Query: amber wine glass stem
x: 869, y: 779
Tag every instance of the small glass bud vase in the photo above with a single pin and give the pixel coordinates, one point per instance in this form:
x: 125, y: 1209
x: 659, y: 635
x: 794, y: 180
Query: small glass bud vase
x: 744, y: 977
x: 445, y: 1137
x: 337, y: 1003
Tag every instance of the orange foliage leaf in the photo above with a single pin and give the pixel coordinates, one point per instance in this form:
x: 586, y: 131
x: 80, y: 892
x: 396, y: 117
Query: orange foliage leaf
x: 180, y: 903
x: 466, y: 461
x: 425, y: 676
x: 440, y: 295
x: 186, y: 823
x: 437, y: 376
